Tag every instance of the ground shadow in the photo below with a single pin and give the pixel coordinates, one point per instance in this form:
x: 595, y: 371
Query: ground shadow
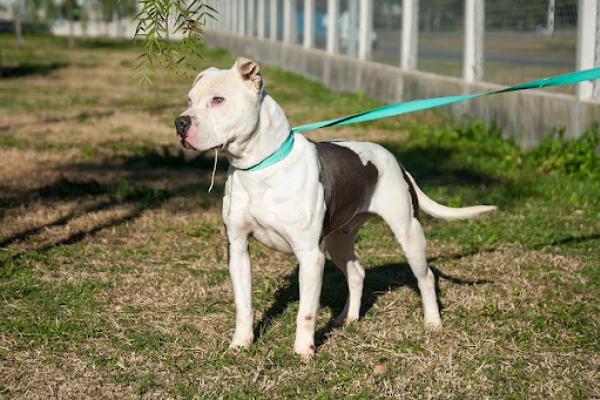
x: 569, y: 241
x: 91, y: 115
x: 145, y: 165
x: 378, y: 281
x: 61, y: 221
x: 436, y: 166
x: 18, y: 71
x: 131, y: 185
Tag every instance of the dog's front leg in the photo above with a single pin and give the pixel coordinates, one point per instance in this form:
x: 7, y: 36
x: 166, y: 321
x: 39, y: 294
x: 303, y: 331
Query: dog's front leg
x: 312, y: 262
x: 239, y: 269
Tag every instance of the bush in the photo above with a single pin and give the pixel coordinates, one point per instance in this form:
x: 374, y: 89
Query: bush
x: 555, y: 154
x: 574, y: 157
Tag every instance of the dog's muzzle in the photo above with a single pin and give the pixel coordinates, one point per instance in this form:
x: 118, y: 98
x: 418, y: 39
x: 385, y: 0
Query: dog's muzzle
x: 182, y: 124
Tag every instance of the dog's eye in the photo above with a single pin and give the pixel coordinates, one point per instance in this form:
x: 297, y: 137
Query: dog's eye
x: 217, y: 100
x: 189, y: 103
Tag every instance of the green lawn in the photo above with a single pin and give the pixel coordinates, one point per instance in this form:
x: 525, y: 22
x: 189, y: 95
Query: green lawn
x: 113, y: 274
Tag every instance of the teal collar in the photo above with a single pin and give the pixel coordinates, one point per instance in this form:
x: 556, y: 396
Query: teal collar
x: 278, y: 155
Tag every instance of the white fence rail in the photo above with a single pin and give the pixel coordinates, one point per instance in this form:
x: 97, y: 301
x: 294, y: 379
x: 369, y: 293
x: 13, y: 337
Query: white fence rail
x: 236, y: 21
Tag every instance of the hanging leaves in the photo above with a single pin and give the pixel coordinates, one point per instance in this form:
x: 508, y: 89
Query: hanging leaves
x: 170, y: 31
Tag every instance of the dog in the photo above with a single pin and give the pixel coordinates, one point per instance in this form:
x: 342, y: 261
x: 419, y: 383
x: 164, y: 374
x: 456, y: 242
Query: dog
x: 312, y: 201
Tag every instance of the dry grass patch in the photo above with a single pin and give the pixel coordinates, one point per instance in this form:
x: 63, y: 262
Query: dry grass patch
x: 114, y: 281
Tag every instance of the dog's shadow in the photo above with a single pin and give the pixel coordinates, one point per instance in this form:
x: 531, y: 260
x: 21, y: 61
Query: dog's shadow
x: 378, y: 281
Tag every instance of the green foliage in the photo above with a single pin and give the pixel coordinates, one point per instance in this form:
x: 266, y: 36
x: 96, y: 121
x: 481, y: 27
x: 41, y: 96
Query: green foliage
x: 483, y: 144
x: 477, y: 137
x: 573, y: 157
x: 154, y: 29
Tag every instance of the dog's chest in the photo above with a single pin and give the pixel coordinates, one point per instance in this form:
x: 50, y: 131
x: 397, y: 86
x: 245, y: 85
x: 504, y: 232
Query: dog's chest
x: 271, y: 238
x: 283, y: 216
x: 284, y: 210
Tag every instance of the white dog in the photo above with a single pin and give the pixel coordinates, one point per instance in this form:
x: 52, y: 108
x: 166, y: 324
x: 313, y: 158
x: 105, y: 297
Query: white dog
x: 311, y: 201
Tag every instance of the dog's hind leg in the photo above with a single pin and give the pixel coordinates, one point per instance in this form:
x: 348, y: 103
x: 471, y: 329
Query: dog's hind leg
x: 412, y: 240
x: 395, y: 207
x: 340, y: 246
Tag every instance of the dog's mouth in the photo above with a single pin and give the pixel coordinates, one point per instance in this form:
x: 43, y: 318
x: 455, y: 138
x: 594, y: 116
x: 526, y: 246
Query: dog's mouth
x: 188, y: 146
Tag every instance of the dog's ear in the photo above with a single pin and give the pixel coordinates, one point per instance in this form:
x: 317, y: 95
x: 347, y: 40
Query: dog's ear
x: 250, y: 73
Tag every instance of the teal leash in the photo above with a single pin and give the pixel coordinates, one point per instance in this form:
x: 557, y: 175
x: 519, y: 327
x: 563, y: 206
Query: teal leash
x: 394, y: 109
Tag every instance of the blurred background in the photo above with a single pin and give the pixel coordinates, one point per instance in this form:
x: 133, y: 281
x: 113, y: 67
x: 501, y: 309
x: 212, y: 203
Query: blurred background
x: 521, y: 41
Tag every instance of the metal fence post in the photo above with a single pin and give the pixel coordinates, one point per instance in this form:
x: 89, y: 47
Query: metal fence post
x: 365, y: 27
x: 221, y: 16
x: 410, y: 32
x: 596, y: 94
x: 309, y: 23
x: 550, y: 18
x: 214, y: 25
x: 217, y: 23
x: 333, y: 10
x: 289, y: 21
x: 587, y: 42
x: 474, y: 30
x: 273, y: 20
x: 260, y: 19
x: 208, y: 26
x: 250, y: 20
x: 226, y: 17
x: 241, y: 30
x: 233, y: 6
x: 352, y: 39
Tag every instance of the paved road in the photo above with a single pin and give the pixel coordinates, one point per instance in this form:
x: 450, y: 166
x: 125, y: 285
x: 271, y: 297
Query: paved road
x: 389, y: 45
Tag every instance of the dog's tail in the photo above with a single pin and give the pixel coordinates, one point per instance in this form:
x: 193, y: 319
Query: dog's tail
x: 441, y: 211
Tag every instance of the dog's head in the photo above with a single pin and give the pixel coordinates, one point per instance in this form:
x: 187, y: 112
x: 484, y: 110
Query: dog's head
x: 223, y: 107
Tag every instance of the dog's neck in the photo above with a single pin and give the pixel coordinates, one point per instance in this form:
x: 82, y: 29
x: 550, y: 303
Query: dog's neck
x: 271, y: 131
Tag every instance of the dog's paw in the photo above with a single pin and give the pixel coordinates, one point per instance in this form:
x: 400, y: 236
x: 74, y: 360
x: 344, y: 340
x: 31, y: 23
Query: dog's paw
x: 342, y: 320
x: 241, y: 342
x: 433, y: 325
x: 305, y: 351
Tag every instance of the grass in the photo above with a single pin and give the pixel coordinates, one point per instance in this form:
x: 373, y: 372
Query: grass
x: 113, y: 274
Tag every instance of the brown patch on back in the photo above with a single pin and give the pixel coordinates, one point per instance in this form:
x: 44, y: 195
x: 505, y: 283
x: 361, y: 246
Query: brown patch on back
x: 308, y: 317
x: 413, y: 194
x: 347, y: 182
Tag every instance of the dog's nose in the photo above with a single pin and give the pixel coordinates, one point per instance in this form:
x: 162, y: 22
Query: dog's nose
x: 182, y: 125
